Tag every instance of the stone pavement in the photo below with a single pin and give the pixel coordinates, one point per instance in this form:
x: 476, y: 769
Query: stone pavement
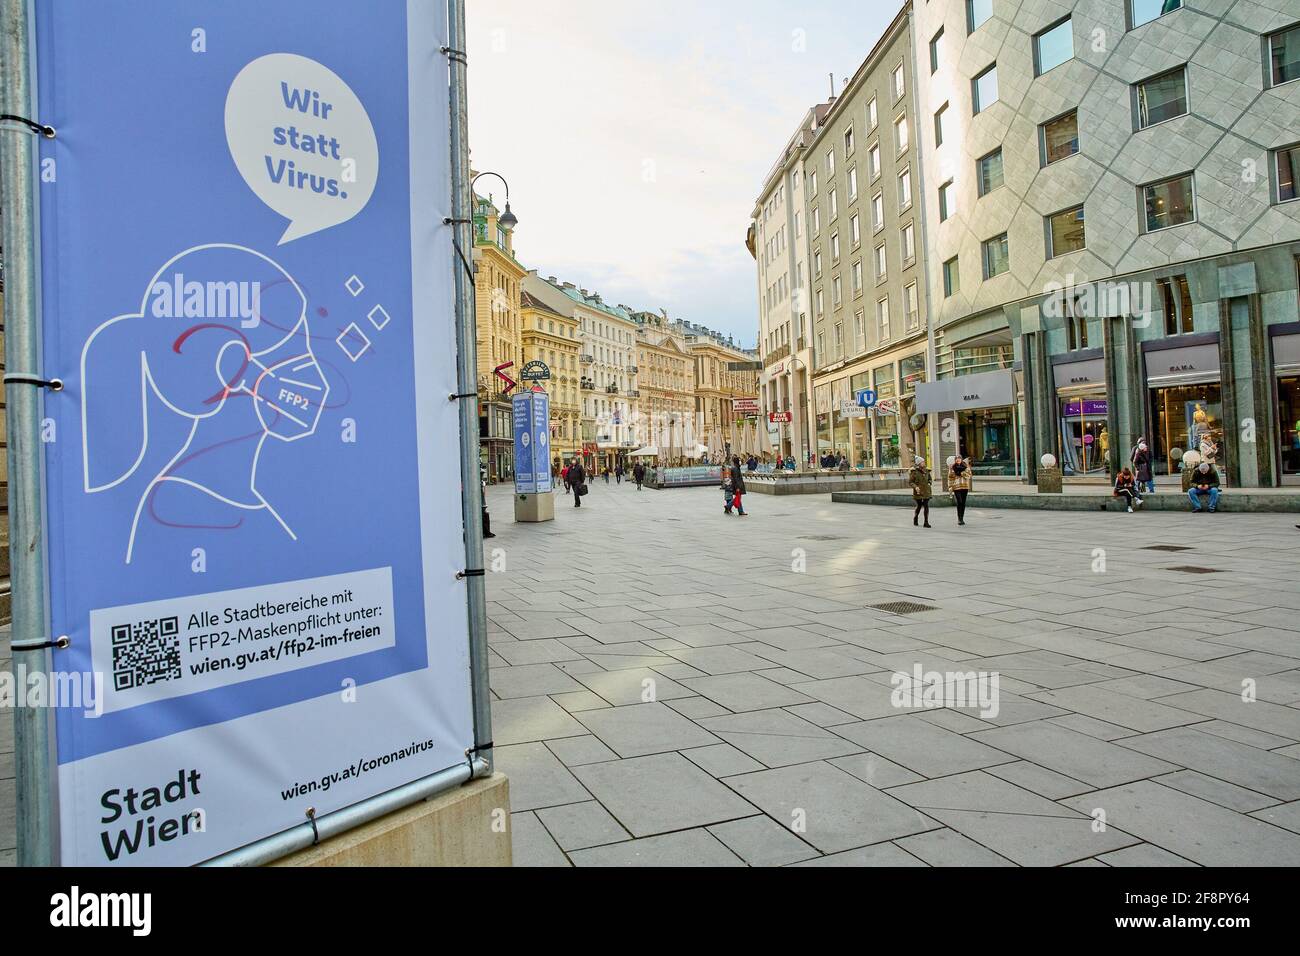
x: 669, y: 690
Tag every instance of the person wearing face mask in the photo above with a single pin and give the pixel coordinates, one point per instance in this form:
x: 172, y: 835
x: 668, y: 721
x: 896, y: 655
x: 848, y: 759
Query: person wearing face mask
x: 1141, y: 459
x: 1205, y: 485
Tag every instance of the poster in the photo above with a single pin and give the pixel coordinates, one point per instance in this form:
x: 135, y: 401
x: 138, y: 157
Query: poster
x: 530, y: 413
x: 252, y: 474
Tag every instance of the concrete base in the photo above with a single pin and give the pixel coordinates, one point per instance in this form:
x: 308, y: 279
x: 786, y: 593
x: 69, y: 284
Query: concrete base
x: 466, y: 826
x: 1049, y: 480
x: 535, y: 507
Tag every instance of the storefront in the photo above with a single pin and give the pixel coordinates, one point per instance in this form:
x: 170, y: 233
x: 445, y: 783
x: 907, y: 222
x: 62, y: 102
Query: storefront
x: 984, y: 410
x: 1286, y: 371
x: 1185, y: 400
x: 1082, y: 406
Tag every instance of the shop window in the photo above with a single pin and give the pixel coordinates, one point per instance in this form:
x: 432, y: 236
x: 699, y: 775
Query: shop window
x: 1176, y: 303
x: 1076, y: 324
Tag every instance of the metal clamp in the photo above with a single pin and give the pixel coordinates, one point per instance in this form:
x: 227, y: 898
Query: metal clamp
x: 61, y: 642
x: 315, y: 833
x: 31, y: 125
x: 457, y: 56
x: 471, y: 573
x: 21, y: 378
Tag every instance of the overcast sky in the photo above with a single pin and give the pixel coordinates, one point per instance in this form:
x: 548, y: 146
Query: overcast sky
x: 636, y: 136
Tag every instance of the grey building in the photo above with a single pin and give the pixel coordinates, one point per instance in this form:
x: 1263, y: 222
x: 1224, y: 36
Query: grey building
x: 862, y: 200
x: 1113, y: 232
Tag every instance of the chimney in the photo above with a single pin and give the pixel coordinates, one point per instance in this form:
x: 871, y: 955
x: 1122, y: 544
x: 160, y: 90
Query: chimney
x: 552, y: 280
x: 568, y: 285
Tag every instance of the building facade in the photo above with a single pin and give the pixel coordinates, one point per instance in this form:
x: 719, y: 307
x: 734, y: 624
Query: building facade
x: 717, y: 387
x: 665, y: 376
x: 498, y: 333
x: 862, y: 202
x: 1114, y: 220
x: 551, y: 337
x: 777, y: 240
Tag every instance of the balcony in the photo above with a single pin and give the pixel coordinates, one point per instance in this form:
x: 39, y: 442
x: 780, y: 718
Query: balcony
x: 633, y: 393
x: 632, y: 369
x: 776, y: 354
x: 611, y: 389
x: 587, y: 359
x: 587, y: 385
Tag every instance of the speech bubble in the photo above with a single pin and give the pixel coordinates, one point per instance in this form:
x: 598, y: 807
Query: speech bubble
x: 302, y: 141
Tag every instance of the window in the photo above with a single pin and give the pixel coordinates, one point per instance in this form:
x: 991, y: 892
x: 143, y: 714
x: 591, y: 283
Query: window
x: 830, y: 162
x: 835, y: 247
x: 1053, y: 47
x: 900, y: 133
x: 938, y: 124
x: 1059, y: 138
x: 817, y: 221
x: 1065, y: 232
x: 820, y: 303
x: 812, y: 184
x: 872, y: 119
x: 936, y: 50
x: 945, y: 201
x: 1284, y: 55
x: 859, y: 330
x: 910, y: 311
x: 951, y: 278
x: 909, y: 245
x: 857, y: 276
x: 905, y: 188
x: 882, y: 318
x: 877, y: 212
x: 977, y: 13
x: 835, y: 205
x: 835, y: 291
x: 897, y: 82
x: 988, y: 172
x: 1287, y: 162
x: 1076, y: 323
x: 1176, y: 303
x: 821, y: 348
x: 817, y: 263
x: 848, y: 142
x: 853, y: 184
x: 839, y: 338
x: 854, y: 231
x: 873, y: 162
x: 996, y: 258
x: 1144, y: 11
x: 1161, y: 98
x: 984, y: 89
x: 1169, y: 202
x: 882, y: 266
x: 797, y: 230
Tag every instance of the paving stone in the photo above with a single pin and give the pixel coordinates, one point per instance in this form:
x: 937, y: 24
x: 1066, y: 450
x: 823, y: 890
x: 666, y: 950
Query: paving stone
x: 580, y: 700
x: 743, y: 692
x: 761, y: 841
x: 577, y: 826
x: 977, y: 790
x: 949, y: 848
x: 536, y: 652
x: 921, y: 746
x: 537, y: 778
x: 1225, y: 759
x: 1125, y: 710
x: 639, y: 729
x: 689, y: 848
x: 531, y: 718
x: 1286, y: 815
x: 630, y: 686
x: 722, y: 760
x: 531, y: 845
x: 1032, y: 840
x: 875, y: 770
x: 840, y: 811
x: 863, y: 698
x: 1144, y: 854
x: 1072, y: 754
x: 722, y: 659
x: 823, y: 715
x: 1191, y: 828
x: 777, y: 738
x: 1270, y: 718
x: 1092, y: 727
x: 880, y: 854
x: 1216, y: 791
x: 659, y: 793
x: 1039, y: 780
x: 576, y: 751
x: 697, y: 707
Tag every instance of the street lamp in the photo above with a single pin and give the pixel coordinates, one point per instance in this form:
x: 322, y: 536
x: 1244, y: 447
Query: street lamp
x: 507, y: 218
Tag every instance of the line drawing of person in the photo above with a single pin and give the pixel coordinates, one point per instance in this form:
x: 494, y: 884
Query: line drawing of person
x: 199, y: 346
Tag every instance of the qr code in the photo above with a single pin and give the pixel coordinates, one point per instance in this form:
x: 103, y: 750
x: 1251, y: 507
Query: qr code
x: 146, y: 652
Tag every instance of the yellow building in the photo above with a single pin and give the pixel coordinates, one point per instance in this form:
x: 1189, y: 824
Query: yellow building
x: 717, y: 386
x: 498, y: 330
x: 665, y: 382
x: 551, y: 337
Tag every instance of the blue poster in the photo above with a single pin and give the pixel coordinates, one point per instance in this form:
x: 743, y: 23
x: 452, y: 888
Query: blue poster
x: 253, y: 483
x: 532, y: 430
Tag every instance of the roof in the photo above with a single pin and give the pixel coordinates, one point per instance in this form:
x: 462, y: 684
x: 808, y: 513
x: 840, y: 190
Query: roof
x: 530, y: 301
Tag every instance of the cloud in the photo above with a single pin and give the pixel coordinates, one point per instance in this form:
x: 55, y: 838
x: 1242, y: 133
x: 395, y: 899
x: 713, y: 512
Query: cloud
x: 636, y: 138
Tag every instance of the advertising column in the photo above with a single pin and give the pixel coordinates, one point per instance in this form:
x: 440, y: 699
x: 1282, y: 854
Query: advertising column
x: 254, y: 515
x: 531, y: 415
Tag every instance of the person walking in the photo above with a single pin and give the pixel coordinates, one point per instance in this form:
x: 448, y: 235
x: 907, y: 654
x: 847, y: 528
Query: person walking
x: 564, y: 476
x: 607, y: 474
x: 1141, y: 458
x: 578, y: 481
x: 737, y: 485
x: 638, y: 474
x: 922, y: 489
x: 618, y: 473
x: 1205, y: 484
x: 959, y: 482
x: 1126, y: 488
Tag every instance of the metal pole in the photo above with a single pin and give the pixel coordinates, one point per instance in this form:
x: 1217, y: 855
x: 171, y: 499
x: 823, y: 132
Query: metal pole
x: 18, y: 164
x: 467, y: 382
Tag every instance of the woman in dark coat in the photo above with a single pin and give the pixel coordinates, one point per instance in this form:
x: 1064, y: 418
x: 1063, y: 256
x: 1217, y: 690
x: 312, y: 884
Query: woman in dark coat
x: 737, y: 485
x: 1142, y: 467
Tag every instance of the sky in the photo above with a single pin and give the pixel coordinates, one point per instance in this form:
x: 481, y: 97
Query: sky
x: 636, y: 136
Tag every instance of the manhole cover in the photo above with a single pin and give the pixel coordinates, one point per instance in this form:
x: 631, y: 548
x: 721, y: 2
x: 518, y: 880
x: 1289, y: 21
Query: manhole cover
x: 1193, y: 569
x: 902, y: 607
x: 820, y: 537
x: 1166, y: 547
